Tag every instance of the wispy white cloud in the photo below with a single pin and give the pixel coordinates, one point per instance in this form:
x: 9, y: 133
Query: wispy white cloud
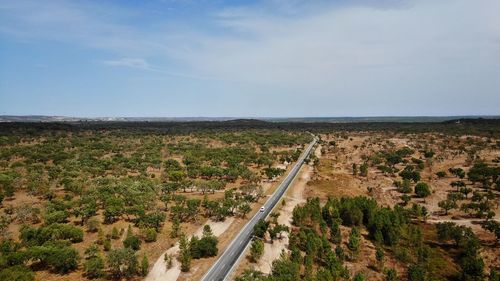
x: 129, y: 62
x: 142, y: 64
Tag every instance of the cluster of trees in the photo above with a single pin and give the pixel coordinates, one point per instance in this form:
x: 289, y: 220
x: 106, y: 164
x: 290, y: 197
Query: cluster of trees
x: 487, y: 176
x: 224, y: 163
x: 317, y: 252
x: 196, y: 248
x: 262, y: 231
x: 272, y: 228
x: 47, y: 246
x: 480, y: 204
x: 468, y: 245
x: 50, y: 247
x: 388, y: 162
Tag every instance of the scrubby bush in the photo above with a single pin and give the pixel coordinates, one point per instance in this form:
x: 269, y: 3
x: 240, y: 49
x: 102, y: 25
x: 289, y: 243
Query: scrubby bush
x: 38, y: 236
x: 422, y: 190
x: 122, y: 263
x: 94, y: 267
x: 17, y: 273
x: 149, y: 234
x: 133, y: 242
x: 60, y: 258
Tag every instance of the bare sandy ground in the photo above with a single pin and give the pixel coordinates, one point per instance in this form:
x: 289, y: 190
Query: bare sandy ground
x: 160, y: 271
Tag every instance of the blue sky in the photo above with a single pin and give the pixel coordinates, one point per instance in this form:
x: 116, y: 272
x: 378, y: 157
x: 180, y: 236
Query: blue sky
x: 274, y: 58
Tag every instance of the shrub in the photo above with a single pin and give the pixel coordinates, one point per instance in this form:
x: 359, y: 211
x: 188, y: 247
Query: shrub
x: 441, y: 174
x: 60, y: 258
x: 391, y: 275
x: 115, y: 234
x: 56, y: 217
x: 38, y: 236
x: 354, y: 240
x: 256, y: 249
x: 91, y: 251
x: 422, y: 190
x: 409, y: 173
x: 122, y: 263
x: 144, y: 266
x: 260, y: 228
x: 92, y: 225
x: 149, y: 234
x: 133, y: 242
x: 94, y: 267
x: 106, y: 245
x: 17, y: 273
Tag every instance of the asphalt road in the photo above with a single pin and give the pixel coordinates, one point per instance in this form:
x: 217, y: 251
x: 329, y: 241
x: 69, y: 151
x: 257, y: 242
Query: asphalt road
x: 224, y: 265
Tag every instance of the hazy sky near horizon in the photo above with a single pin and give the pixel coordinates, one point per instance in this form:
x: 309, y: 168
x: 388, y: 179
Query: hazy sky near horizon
x: 274, y: 58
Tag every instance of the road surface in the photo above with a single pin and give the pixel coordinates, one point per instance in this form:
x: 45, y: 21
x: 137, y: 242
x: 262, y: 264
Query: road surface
x: 224, y: 265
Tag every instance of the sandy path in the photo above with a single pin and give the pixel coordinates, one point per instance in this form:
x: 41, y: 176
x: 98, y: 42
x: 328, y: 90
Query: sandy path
x: 159, y: 270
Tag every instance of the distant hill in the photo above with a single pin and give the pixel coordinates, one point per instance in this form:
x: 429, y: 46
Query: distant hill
x: 42, y: 118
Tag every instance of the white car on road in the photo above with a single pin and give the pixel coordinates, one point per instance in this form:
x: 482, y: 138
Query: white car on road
x: 262, y: 209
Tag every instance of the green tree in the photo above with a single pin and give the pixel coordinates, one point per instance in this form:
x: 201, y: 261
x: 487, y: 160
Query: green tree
x: 391, y: 275
x: 122, y: 263
x: 106, y: 245
x: 283, y: 269
x: 56, y: 255
x: 405, y: 198
x: 94, y: 267
x: 91, y: 251
x: 354, y: 241
x: 176, y: 228
x: 358, y: 277
x: 465, y: 191
x: 335, y: 235
x: 493, y: 227
x: 256, y: 249
x: 92, y: 225
x: 204, y: 247
x: 441, y: 174
x: 133, y: 242
x: 458, y: 172
x: 471, y: 263
x: 447, y: 205
x: 244, y: 209
x: 149, y: 234
x: 184, y: 254
x: 422, y: 190
x: 17, y: 273
x: 457, y: 184
x: 417, y: 272
x: 144, y: 265
x: 379, y: 256
x: 114, y: 233
x: 363, y: 169
x: 260, y: 228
